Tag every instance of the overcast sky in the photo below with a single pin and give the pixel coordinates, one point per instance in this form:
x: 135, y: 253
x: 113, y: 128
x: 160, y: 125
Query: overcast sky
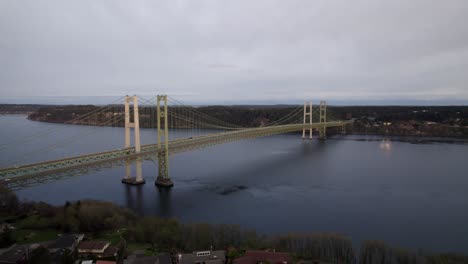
x: 237, y: 51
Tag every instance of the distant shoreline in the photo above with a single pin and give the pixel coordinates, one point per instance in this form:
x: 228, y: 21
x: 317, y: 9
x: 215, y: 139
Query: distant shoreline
x: 414, y: 139
x: 413, y: 121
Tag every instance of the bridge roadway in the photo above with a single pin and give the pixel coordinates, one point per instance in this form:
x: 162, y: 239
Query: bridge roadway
x: 13, y: 175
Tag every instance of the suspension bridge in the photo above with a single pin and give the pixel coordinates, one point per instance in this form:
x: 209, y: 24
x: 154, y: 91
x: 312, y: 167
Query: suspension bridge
x: 165, y: 114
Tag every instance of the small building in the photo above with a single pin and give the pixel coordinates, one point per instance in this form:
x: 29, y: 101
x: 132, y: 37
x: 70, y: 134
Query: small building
x: 100, y: 249
x: 66, y: 241
x: 255, y: 257
x: 92, y: 247
x: 16, y: 255
x: 203, y: 257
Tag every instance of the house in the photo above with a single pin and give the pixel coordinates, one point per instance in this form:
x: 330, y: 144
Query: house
x: 100, y: 249
x: 203, y: 257
x: 142, y: 259
x: 16, y: 255
x: 66, y: 241
x: 92, y: 247
x: 255, y: 257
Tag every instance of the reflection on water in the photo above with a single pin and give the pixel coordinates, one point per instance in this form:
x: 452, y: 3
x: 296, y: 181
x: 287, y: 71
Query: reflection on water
x: 164, y: 203
x: 134, y: 198
x: 386, y: 145
x: 144, y: 200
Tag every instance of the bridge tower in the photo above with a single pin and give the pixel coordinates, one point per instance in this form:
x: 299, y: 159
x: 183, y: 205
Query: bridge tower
x: 309, y: 114
x: 323, y: 119
x: 163, y: 179
x: 136, y: 127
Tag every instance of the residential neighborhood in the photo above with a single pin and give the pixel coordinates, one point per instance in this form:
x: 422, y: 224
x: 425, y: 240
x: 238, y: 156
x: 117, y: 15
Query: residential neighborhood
x: 74, y: 248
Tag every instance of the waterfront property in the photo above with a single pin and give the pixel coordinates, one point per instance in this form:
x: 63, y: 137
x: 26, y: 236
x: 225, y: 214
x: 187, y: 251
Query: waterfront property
x: 99, y: 249
x: 203, y: 257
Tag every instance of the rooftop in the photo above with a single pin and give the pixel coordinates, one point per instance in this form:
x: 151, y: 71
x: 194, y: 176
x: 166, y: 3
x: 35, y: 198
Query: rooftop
x: 93, y: 246
x: 203, y: 256
x: 13, y: 255
x: 110, y: 252
x: 66, y: 241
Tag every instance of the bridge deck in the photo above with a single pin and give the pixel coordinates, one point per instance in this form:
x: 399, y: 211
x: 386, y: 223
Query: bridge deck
x: 9, y: 175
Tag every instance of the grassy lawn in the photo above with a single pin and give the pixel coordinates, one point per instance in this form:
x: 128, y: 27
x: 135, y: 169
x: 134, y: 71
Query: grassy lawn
x: 25, y: 236
x: 131, y: 247
x: 113, y: 238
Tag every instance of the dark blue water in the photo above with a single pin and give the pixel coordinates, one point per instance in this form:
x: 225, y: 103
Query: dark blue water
x: 409, y: 195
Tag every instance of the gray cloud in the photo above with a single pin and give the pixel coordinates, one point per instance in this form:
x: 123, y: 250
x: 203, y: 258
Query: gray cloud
x: 214, y: 51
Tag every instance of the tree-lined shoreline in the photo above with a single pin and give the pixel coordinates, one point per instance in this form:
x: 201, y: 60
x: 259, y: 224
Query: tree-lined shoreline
x: 421, y: 121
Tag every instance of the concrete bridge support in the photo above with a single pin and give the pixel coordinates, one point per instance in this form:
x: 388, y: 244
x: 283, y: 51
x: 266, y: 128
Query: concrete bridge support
x: 136, y: 127
x: 163, y: 179
x: 323, y: 119
x: 307, y: 114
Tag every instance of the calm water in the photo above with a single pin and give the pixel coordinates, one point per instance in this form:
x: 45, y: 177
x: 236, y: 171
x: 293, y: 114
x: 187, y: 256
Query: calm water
x: 409, y: 195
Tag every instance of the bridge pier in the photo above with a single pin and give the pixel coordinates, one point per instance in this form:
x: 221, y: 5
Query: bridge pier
x: 164, y: 182
x: 136, y: 127
x: 323, y: 119
x: 163, y: 179
x: 138, y: 179
x: 305, y: 120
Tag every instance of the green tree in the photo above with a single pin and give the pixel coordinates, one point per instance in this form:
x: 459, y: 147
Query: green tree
x: 9, y: 203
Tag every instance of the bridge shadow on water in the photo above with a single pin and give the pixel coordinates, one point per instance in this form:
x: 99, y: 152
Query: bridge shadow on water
x: 167, y: 202
x: 307, y: 150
